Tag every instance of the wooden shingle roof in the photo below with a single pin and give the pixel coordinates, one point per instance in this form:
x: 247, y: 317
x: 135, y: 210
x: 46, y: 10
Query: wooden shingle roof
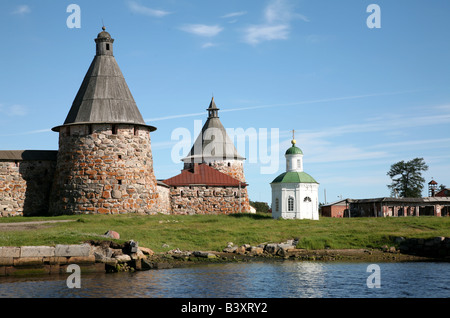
x: 104, y: 96
x: 213, y: 142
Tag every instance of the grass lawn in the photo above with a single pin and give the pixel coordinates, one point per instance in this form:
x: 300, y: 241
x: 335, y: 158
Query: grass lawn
x: 212, y: 232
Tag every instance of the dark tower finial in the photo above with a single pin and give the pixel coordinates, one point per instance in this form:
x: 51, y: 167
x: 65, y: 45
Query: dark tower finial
x: 213, y: 111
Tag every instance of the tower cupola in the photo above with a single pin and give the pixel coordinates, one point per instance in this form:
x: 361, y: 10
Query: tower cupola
x: 104, y: 43
x: 294, y: 157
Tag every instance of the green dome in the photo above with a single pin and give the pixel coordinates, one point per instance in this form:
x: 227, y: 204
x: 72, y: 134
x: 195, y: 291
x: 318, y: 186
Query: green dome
x: 294, y: 151
x: 294, y: 177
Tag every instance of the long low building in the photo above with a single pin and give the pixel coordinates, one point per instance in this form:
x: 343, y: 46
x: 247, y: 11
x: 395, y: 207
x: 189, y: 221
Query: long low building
x: 386, y: 206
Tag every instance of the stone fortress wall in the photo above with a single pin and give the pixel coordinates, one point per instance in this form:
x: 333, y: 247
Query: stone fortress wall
x: 208, y: 200
x: 26, y: 178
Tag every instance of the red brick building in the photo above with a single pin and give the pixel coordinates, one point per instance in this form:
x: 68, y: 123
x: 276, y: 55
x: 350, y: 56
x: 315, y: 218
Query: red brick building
x: 336, y: 209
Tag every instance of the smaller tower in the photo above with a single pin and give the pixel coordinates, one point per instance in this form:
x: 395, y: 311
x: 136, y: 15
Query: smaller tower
x: 213, y: 147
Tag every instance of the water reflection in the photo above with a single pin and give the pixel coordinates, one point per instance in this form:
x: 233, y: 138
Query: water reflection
x: 288, y: 279
x: 309, y: 280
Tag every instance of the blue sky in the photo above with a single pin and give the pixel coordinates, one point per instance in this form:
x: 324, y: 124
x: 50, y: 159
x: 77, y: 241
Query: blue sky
x: 359, y: 98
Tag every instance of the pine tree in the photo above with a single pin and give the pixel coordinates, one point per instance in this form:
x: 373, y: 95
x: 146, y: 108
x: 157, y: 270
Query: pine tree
x: 407, y: 180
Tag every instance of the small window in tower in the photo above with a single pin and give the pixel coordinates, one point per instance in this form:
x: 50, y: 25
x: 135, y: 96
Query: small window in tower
x: 277, y: 205
x: 298, y: 163
x: 107, y: 46
x: 229, y: 164
x: 307, y: 199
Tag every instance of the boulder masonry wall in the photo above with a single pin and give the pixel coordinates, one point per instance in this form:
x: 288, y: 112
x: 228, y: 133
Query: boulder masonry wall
x: 91, y: 257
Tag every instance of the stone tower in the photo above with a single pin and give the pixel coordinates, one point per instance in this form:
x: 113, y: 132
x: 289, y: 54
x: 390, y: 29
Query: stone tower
x: 214, y: 147
x: 104, y: 162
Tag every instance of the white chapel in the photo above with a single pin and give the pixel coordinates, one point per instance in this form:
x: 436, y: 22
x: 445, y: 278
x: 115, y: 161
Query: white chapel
x: 295, y: 194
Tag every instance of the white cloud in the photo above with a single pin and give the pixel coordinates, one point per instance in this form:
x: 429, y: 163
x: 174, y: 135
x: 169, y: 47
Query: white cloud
x: 278, y: 15
x: 22, y: 10
x: 350, y: 128
x: 140, y: 9
x: 208, y: 44
x: 234, y: 14
x: 280, y: 11
x: 31, y: 132
x: 17, y: 110
x: 202, y: 29
x: 14, y: 110
x: 150, y: 120
x: 258, y: 33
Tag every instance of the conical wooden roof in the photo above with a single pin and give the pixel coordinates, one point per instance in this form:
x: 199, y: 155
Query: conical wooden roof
x: 213, y: 142
x: 104, y: 96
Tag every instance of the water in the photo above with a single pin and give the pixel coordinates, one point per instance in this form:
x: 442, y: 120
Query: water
x: 287, y: 279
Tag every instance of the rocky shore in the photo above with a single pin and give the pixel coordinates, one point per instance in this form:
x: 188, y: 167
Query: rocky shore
x: 110, y: 256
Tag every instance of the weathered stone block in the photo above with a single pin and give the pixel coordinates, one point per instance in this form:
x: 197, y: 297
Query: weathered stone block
x: 102, y: 254
x: 271, y: 248
x: 146, y: 250
x: 73, y: 250
x: 9, y: 251
x: 37, y: 251
x: 123, y: 258
x: 256, y: 250
x: 204, y: 254
x: 53, y: 260
x: 81, y: 259
x: 230, y: 249
x: 6, y: 261
x: 28, y: 261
